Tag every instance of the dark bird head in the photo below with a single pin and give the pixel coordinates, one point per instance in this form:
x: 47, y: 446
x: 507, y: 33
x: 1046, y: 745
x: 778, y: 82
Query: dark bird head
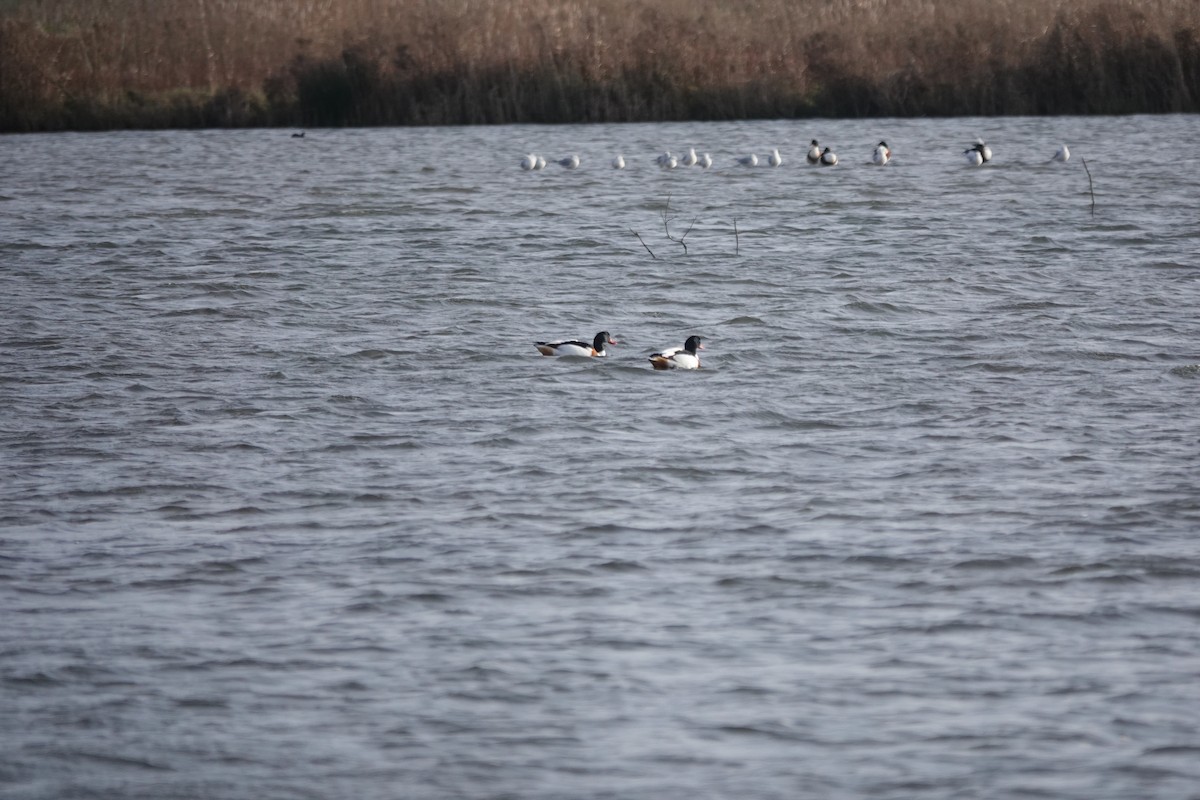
x: 693, y: 344
x: 603, y: 338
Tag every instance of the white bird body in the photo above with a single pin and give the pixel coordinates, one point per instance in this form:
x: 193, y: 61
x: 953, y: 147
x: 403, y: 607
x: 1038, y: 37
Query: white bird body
x: 618, y: 162
x: 570, y: 162
x: 882, y: 154
x: 828, y: 158
x: 775, y: 159
x: 529, y: 162
x: 679, y: 357
x: 748, y: 161
x: 663, y: 159
x: 1062, y: 155
x: 576, y: 347
x: 706, y: 161
x: 814, y: 153
x: 690, y: 159
x: 540, y: 164
x: 985, y: 152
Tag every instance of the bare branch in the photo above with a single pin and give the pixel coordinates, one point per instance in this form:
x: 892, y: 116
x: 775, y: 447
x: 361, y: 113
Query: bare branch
x: 1091, y: 190
x: 679, y: 241
x: 667, y: 226
x: 639, y: 238
x: 689, y: 230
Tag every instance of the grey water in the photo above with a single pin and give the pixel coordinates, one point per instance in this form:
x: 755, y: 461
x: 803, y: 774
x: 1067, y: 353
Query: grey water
x: 291, y: 507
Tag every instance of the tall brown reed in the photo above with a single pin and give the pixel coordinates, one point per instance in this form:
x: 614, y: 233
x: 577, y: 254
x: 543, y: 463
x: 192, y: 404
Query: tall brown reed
x: 153, y: 63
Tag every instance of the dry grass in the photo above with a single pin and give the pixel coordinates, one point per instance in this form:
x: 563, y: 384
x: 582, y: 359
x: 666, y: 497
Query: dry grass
x: 154, y: 63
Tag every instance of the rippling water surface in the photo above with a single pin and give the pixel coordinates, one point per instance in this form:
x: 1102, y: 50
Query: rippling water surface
x: 293, y: 508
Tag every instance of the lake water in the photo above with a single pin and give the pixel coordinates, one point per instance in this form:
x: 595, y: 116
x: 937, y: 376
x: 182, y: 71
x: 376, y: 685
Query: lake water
x: 292, y: 507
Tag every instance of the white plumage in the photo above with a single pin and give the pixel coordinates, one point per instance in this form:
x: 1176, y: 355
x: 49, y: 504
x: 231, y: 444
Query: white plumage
x: 882, y: 154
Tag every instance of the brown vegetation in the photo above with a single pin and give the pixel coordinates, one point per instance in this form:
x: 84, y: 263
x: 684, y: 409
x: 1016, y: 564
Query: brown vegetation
x: 87, y: 64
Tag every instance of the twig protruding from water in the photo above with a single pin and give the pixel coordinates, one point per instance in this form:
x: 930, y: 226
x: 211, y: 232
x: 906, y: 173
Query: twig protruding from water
x: 667, y: 227
x: 639, y: 238
x: 1091, y: 189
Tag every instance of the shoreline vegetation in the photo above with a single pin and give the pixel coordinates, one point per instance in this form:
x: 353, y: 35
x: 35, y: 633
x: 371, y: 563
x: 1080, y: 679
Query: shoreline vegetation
x: 105, y: 64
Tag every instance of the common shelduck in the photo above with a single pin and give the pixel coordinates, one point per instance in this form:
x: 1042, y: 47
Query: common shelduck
x: 1062, y: 155
x: 882, y: 154
x: 577, y: 348
x: 541, y: 163
x: 618, y: 162
x: 662, y: 159
x: 814, y: 153
x: 529, y: 162
x: 748, y: 161
x: 775, y: 159
x: 828, y: 158
x: 690, y: 159
x: 706, y: 161
x: 679, y: 357
x: 570, y: 162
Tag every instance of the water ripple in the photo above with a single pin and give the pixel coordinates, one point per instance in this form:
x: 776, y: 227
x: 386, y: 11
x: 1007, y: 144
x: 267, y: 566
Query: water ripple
x: 293, y: 508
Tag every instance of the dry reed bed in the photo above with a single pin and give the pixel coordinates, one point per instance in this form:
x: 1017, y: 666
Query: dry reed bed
x: 157, y: 63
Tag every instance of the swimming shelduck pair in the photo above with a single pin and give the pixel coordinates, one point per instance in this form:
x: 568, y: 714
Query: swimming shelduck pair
x: 882, y: 154
x: 672, y: 358
x: 575, y: 347
x: 679, y: 357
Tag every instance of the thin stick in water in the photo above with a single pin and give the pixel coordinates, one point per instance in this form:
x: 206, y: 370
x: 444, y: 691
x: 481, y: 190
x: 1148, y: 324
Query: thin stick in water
x: 737, y: 242
x: 639, y: 238
x: 1091, y: 190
